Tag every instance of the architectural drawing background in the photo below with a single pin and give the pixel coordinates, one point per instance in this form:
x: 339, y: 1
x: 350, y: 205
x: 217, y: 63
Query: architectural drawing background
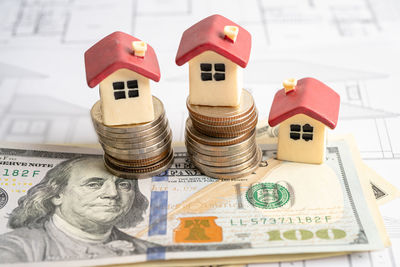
x: 353, y: 46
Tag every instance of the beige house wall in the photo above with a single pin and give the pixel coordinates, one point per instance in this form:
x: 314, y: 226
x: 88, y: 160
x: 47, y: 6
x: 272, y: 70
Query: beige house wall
x: 215, y: 93
x: 128, y: 110
x: 312, y: 151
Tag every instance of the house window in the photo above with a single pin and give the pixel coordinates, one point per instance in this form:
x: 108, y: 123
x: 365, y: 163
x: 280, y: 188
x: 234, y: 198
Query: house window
x: 305, y: 132
x: 207, y: 72
x: 133, y: 88
x: 120, y: 92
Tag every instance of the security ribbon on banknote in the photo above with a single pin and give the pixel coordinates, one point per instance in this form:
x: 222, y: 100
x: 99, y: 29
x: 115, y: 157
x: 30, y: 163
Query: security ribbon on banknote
x: 284, y: 208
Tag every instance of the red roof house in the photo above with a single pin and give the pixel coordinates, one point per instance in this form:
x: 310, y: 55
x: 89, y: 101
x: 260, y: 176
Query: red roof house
x: 312, y: 98
x: 214, y: 48
x: 114, y: 52
x: 123, y: 65
x: 208, y: 34
x: 303, y: 111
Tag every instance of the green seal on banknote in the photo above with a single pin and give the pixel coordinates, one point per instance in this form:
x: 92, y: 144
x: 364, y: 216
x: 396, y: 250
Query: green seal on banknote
x: 267, y: 195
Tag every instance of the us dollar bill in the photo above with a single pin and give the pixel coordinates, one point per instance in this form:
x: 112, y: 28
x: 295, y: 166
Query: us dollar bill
x: 382, y: 189
x: 59, y: 204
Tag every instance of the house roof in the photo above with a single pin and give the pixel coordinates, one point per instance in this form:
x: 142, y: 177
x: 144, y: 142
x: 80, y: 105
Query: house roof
x: 312, y: 98
x: 115, y: 52
x: 208, y: 34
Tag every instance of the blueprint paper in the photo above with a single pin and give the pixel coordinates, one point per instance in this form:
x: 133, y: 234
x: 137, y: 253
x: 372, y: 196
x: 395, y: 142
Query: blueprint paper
x: 351, y: 45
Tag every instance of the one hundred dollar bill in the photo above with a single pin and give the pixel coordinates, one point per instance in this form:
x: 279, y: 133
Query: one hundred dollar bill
x: 59, y: 204
x: 382, y: 189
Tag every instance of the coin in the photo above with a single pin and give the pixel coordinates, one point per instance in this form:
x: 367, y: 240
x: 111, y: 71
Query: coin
x: 141, y: 156
x: 221, y: 140
x: 223, y: 161
x: 231, y: 149
x: 209, y: 140
x: 127, y: 145
x: 232, y: 175
x: 136, y: 151
x: 140, y: 162
x: 129, y: 174
x: 213, y: 133
x: 134, y: 135
x: 229, y: 168
x: 221, y: 150
x: 233, y: 128
x: 121, y: 164
x: 98, y: 119
x: 116, y: 138
x: 223, y: 123
x: 215, y: 113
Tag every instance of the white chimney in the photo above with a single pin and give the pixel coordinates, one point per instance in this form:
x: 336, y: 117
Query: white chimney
x: 139, y: 48
x: 231, y: 32
x: 290, y: 85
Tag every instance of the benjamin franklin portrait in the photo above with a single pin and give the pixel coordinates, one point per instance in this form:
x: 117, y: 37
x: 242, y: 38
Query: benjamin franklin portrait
x: 75, y: 212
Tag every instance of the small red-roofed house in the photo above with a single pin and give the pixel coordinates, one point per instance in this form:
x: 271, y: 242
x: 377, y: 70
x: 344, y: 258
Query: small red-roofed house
x: 303, y: 109
x: 123, y: 65
x: 217, y: 49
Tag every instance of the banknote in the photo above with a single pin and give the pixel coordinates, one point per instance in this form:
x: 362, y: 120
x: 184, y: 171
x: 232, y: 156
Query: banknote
x: 382, y: 189
x: 58, y: 204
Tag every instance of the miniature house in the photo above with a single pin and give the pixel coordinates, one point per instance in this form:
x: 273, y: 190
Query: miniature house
x: 123, y: 65
x: 303, y: 109
x: 217, y: 49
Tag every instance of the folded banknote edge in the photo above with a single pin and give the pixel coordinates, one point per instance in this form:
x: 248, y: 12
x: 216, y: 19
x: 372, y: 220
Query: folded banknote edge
x: 369, y: 195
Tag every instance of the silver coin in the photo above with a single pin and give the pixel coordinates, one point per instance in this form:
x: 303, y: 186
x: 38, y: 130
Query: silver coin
x: 133, y: 139
x: 134, y: 135
x: 219, y: 155
x: 222, y: 161
x: 137, y: 151
x: 221, y: 150
x: 131, y: 175
x: 223, y: 123
x: 234, y: 175
x: 218, y: 113
x: 98, y: 120
x: 226, y: 155
x: 126, y: 145
x: 230, y: 148
x: 211, y: 131
x: 235, y: 126
x: 122, y: 166
x: 230, y: 168
x: 213, y: 141
x: 139, y: 163
x: 142, y: 156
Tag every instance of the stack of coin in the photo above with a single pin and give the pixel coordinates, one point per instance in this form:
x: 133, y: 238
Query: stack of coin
x: 136, y: 150
x: 221, y: 140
